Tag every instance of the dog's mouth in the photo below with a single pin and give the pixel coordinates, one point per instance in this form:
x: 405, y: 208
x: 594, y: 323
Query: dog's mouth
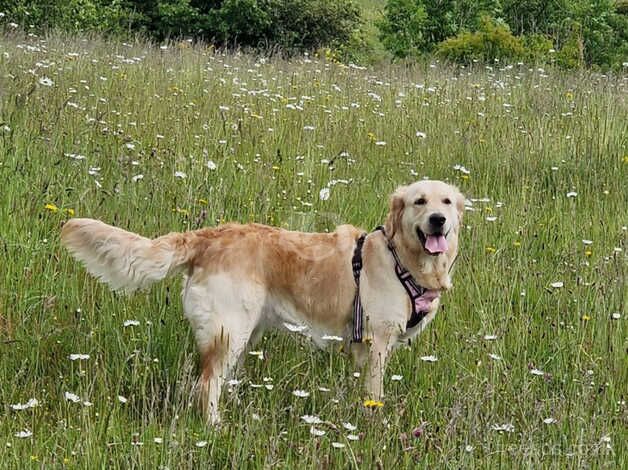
x: 434, y: 243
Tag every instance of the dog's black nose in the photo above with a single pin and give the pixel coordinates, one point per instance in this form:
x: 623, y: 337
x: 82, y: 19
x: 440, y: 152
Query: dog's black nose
x: 437, y: 220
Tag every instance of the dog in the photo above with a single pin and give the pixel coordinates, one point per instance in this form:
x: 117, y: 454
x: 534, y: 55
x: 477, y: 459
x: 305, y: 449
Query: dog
x: 242, y: 279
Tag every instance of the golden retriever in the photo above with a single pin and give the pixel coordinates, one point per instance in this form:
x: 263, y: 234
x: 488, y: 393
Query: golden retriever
x: 243, y: 279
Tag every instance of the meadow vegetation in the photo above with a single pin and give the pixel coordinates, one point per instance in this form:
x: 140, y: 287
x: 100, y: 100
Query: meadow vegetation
x: 525, y: 364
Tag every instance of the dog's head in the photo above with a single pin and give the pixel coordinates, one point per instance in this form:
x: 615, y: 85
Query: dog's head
x: 426, y: 216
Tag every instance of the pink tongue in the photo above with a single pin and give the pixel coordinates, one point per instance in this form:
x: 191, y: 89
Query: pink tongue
x: 436, y: 244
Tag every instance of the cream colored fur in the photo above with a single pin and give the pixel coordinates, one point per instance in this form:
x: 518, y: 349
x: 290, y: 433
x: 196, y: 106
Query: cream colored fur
x: 242, y: 279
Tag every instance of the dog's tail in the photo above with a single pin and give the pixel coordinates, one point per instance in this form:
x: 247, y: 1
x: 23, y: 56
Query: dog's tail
x: 124, y: 260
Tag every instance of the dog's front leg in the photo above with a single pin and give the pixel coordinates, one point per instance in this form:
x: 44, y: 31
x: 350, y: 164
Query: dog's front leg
x: 378, y: 357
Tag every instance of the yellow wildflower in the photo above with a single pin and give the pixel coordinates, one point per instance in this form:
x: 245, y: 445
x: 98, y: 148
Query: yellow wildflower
x: 51, y: 207
x: 373, y: 404
x: 586, y: 317
x: 69, y: 211
x: 490, y: 249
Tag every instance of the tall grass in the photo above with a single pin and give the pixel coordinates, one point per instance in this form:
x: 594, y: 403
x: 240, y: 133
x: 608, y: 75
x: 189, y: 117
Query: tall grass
x: 219, y: 138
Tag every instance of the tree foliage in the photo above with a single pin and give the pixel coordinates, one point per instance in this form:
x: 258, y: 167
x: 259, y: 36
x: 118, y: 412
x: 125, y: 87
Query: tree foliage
x: 490, y: 42
x: 593, y: 32
x: 290, y: 25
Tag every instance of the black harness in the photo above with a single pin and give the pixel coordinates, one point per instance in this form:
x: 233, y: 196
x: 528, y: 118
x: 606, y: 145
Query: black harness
x: 414, y: 290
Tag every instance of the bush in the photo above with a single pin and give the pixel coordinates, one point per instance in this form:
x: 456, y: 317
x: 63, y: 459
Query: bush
x: 401, y: 28
x: 602, y: 36
x: 291, y: 25
x: 571, y: 53
x: 538, y: 48
x: 492, y: 41
x: 306, y: 25
x: 108, y: 16
x: 410, y: 27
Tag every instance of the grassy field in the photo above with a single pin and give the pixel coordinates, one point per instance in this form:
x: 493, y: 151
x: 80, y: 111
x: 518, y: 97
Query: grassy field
x: 531, y: 366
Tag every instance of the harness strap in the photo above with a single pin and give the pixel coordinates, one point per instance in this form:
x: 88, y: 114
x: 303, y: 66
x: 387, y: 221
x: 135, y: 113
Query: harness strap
x: 420, y: 298
x: 358, y: 311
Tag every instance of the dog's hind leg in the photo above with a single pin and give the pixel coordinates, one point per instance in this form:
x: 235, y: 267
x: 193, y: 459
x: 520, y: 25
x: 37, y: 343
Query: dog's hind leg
x: 223, y: 313
x: 218, y: 358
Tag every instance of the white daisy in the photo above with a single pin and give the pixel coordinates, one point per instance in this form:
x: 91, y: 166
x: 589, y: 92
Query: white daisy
x: 32, y: 403
x: 78, y: 357
x: 311, y: 419
x: 259, y: 354
x: 72, y: 397
x: 506, y: 427
x: 429, y: 358
x: 294, y: 328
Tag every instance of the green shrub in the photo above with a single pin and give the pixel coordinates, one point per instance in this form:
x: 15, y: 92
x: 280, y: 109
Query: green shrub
x: 538, y: 48
x: 109, y: 16
x: 571, y: 53
x: 602, y: 36
x: 401, y: 28
x: 305, y: 25
x: 492, y: 41
x: 290, y: 25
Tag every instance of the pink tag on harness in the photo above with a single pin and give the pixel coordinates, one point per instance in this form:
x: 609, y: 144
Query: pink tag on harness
x: 423, y: 303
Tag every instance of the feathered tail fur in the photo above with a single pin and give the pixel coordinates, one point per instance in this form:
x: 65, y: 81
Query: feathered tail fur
x: 124, y: 260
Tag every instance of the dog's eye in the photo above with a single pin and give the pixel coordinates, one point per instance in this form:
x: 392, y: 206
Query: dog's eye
x: 446, y: 201
x: 420, y: 201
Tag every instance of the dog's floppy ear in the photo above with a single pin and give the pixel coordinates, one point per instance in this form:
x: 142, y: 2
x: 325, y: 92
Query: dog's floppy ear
x: 393, y: 221
x: 460, y: 205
